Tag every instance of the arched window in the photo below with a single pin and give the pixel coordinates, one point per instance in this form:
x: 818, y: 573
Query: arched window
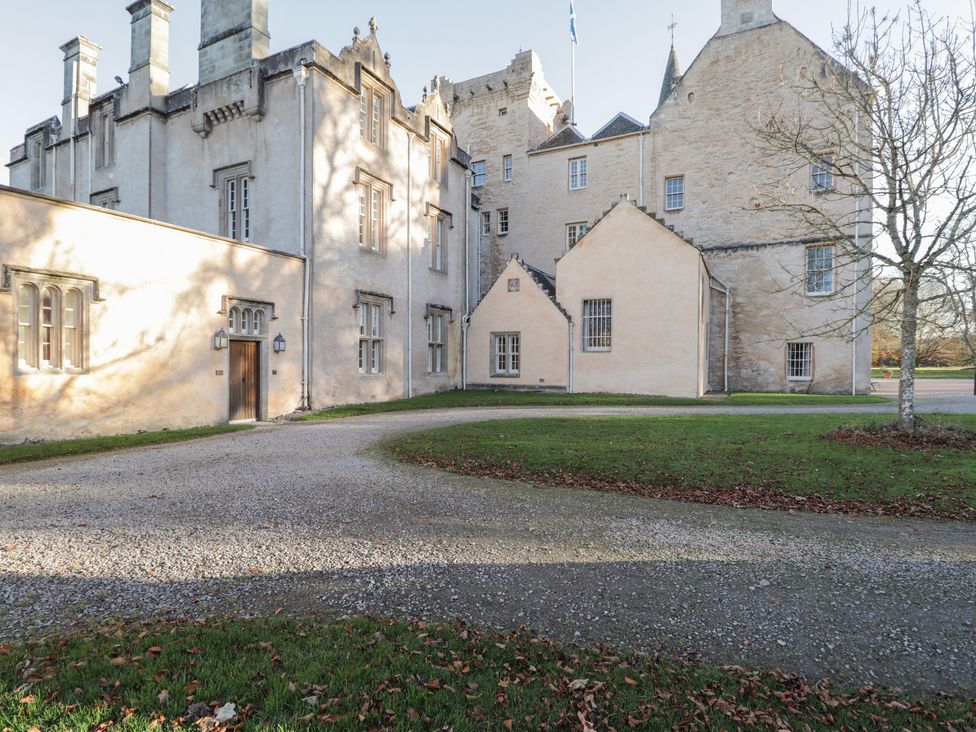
x: 258, y: 322
x: 246, y: 321
x: 26, y: 321
x: 234, y: 320
x: 72, y: 351
x: 50, y: 310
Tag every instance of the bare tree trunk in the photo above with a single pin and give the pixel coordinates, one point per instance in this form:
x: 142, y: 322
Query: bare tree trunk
x: 909, y: 332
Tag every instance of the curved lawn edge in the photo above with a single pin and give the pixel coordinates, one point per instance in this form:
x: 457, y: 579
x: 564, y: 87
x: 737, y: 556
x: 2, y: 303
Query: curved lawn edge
x: 359, y: 672
x: 511, y: 450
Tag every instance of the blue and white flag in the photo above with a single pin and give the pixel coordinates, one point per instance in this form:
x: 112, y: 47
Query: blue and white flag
x: 572, y: 23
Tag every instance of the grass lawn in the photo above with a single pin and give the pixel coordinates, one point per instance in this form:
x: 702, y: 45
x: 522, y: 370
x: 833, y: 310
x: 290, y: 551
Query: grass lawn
x: 764, y: 460
x: 927, y: 373
x: 359, y: 674
x: 499, y: 398
x: 45, y: 450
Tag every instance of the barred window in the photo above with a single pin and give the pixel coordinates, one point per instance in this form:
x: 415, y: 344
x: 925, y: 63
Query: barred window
x: 799, y: 361
x: 575, y: 232
x: 597, y: 325
x: 479, y: 171
x: 370, y: 337
x: 820, y: 270
x: 437, y: 343
x: 822, y: 174
x: 577, y: 174
x: 674, y: 193
x: 506, y: 354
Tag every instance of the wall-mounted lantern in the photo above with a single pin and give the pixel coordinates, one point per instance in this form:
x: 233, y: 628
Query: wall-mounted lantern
x: 220, y: 340
x: 279, y: 344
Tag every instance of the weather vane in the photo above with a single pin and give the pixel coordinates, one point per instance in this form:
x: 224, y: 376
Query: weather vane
x: 674, y: 24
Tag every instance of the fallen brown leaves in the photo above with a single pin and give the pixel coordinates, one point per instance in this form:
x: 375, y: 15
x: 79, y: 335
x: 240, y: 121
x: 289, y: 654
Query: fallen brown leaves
x: 926, y: 437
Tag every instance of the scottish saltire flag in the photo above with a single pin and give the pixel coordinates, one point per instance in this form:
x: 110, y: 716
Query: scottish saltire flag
x: 572, y: 22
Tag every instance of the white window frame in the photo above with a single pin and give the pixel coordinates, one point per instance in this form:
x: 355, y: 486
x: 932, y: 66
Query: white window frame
x: 437, y: 341
x: 674, y: 193
x: 799, y: 361
x: 508, y: 170
x: 236, y: 187
x: 820, y: 270
x: 371, y: 336
x: 56, y: 342
x: 504, y: 226
x: 575, y: 232
x: 372, y: 203
x: 577, y: 174
x: 485, y: 225
x: 439, y: 226
x: 822, y: 174
x: 597, y: 325
x: 372, y: 114
x: 506, y: 354
x: 479, y: 173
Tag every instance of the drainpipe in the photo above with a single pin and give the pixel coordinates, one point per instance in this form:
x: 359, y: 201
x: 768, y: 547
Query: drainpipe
x: 726, y: 290
x: 640, y: 193
x: 91, y: 158
x: 570, y: 387
x: 301, y: 76
x: 409, y: 267
x: 465, y: 321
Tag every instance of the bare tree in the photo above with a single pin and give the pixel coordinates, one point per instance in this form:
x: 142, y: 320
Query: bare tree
x: 960, y: 281
x: 878, y: 156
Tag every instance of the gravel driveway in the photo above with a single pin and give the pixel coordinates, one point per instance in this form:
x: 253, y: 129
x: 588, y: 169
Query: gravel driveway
x: 313, y: 518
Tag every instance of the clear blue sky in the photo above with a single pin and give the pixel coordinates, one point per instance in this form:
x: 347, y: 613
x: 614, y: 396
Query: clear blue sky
x: 620, y: 60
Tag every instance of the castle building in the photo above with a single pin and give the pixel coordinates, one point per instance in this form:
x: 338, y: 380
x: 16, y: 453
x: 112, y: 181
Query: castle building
x: 286, y: 233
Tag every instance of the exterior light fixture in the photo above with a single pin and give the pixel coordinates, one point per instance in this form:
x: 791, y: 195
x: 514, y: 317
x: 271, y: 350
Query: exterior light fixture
x: 279, y: 344
x: 220, y: 340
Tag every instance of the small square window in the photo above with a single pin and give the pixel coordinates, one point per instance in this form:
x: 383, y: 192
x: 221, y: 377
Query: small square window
x: 513, y: 284
x: 503, y: 112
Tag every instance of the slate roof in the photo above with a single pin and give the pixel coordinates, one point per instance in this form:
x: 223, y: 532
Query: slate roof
x: 566, y: 136
x: 672, y: 74
x: 622, y: 124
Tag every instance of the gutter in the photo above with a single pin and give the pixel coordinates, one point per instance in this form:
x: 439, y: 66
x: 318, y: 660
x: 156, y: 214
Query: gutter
x: 571, y: 386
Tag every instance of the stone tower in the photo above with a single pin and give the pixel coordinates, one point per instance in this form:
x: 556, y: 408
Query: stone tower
x: 233, y: 34
x: 741, y: 15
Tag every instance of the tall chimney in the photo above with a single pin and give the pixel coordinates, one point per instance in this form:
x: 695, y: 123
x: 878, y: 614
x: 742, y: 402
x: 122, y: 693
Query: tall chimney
x: 233, y: 34
x: 149, y: 70
x: 742, y: 15
x: 80, y: 74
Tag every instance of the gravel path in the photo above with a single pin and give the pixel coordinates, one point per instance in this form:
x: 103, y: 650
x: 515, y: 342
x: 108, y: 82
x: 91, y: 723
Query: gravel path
x: 312, y: 517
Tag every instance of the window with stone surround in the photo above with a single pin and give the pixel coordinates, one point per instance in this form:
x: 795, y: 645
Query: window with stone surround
x: 372, y: 114
x: 439, y: 225
x: 503, y: 222
x: 52, y: 318
x: 372, y: 197
x: 439, y: 155
x: 799, y: 361
x: 506, y: 354
x: 371, y: 336
x: 104, y: 136
x: 674, y: 193
x: 577, y: 174
x: 507, y: 169
x: 597, y: 325
x: 479, y: 173
x: 106, y: 199
x: 236, y: 186
x: 820, y: 270
x: 437, y: 321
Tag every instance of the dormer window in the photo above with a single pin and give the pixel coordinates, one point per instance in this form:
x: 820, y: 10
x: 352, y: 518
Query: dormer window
x: 372, y: 115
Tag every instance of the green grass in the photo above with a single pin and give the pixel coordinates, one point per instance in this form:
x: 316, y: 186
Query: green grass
x: 498, y: 398
x: 927, y: 373
x: 360, y: 674
x: 773, y: 452
x: 45, y: 450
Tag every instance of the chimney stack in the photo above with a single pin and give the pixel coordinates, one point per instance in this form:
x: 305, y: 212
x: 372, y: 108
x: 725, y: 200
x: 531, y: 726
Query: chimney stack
x: 233, y: 34
x: 149, y: 69
x: 743, y: 15
x: 80, y: 75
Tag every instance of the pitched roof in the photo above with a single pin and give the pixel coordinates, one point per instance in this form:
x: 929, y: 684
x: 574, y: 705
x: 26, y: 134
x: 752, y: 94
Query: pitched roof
x: 546, y: 281
x: 621, y: 124
x: 566, y: 136
x: 671, y: 76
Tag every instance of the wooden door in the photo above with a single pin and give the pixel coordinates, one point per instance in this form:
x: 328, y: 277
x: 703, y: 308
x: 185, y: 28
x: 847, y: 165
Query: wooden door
x: 244, y: 380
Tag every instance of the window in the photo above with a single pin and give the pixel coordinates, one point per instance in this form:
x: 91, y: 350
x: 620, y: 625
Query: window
x: 104, y: 137
x: 50, y: 327
x: 439, y: 153
x: 247, y: 319
x: 372, y: 217
x: 505, y: 354
x: 38, y: 157
x: 438, y: 243
x: 820, y: 270
x: 507, y: 168
x: 503, y: 112
x: 235, y: 186
x: 822, y: 174
x: 514, y: 284
x: 485, y: 225
x: 577, y: 174
x: 479, y: 170
x: 597, y: 325
x: 575, y: 232
x: 372, y: 119
x: 674, y: 193
x: 106, y: 199
x: 502, y: 222
x: 799, y: 361
x: 437, y: 342
x: 370, y: 337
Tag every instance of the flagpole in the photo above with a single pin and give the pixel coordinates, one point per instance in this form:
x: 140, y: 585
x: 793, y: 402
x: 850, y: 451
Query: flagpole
x: 572, y: 48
